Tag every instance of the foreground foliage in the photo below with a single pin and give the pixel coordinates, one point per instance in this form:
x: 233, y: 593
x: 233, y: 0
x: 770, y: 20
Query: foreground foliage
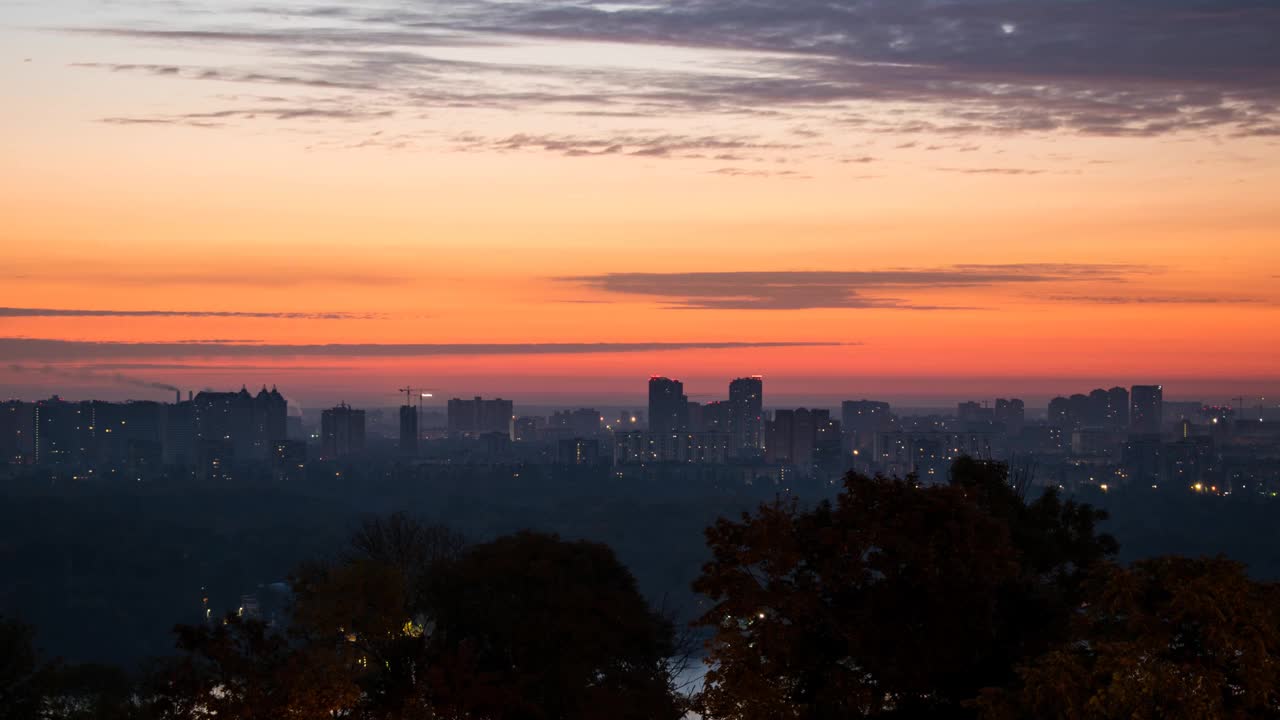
x: 897, y: 599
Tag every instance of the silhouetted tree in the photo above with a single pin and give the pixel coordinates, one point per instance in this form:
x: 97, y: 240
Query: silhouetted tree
x: 527, y: 627
x: 90, y: 692
x: 19, y: 671
x: 558, y: 628
x: 405, y: 543
x: 1168, y: 638
x: 896, y: 599
x: 241, y: 669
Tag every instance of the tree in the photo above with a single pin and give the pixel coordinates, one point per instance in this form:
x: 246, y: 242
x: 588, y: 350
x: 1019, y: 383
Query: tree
x: 558, y: 628
x: 896, y: 599
x: 19, y: 671
x: 1169, y: 637
x: 241, y: 669
x: 409, y: 626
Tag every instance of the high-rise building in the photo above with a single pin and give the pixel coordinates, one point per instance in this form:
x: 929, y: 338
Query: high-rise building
x: 583, y: 422
x: 408, y: 431
x: 16, y: 426
x: 746, y: 412
x: 578, y: 451
x: 477, y: 416
x: 341, y: 432
x: 55, y: 431
x: 250, y: 426
x: 1012, y: 414
x: 792, y: 436
x: 1146, y: 409
x: 668, y: 406
x: 862, y: 419
x: 1117, y: 408
x: 974, y: 413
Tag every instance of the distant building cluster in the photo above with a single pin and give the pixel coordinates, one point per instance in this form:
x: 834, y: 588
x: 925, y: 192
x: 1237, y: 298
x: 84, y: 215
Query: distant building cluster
x: 209, y: 433
x: 1104, y: 438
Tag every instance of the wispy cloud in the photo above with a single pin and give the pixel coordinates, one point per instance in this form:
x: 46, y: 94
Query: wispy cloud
x: 16, y: 312
x: 27, y: 350
x: 991, y: 171
x: 653, y: 146
x: 1095, y: 67
x: 801, y: 290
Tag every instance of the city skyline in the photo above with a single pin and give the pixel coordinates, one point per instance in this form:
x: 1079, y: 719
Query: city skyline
x: 535, y: 200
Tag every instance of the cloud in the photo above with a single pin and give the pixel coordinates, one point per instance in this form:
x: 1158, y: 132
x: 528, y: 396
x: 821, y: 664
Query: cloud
x: 42, y: 350
x: 218, y: 118
x: 1093, y: 67
x: 742, y: 172
x: 204, y: 367
x: 1152, y: 300
x: 802, y: 290
x: 653, y: 146
x: 165, y: 274
x: 14, y: 312
x: 991, y: 171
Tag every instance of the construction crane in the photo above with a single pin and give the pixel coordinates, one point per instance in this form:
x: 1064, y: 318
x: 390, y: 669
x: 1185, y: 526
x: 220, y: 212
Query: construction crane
x: 408, y: 395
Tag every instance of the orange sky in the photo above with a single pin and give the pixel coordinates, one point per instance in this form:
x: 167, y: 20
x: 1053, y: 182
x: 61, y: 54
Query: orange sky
x: 1121, y: 258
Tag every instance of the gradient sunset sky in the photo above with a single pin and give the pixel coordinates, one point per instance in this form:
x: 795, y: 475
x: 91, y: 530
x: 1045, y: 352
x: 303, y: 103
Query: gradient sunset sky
x: 919, y: 200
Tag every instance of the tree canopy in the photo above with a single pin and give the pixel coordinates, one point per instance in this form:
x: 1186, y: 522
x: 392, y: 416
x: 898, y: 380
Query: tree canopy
x: 897, y: 599
x: 409, y: 623
x: 1171, y: 638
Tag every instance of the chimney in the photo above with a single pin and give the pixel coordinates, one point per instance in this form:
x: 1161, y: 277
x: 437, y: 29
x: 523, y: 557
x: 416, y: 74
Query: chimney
x: 190, y: 395
x: 177, y: 397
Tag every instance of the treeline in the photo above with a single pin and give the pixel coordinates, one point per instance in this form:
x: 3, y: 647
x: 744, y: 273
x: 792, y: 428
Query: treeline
x: 892, y: 600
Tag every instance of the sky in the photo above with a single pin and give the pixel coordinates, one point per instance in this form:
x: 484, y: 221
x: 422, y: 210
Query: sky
x: 918, y: 200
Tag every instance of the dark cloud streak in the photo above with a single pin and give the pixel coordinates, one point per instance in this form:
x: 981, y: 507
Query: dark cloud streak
x: 803, y: 290
x: 16, y: 312
x: 54, y: 350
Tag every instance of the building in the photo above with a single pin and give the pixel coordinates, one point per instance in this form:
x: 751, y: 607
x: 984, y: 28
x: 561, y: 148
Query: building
x: 477, y: 416
x: 746, y: 413
x: 1146, y: 409
x: 1142, y: 459
x: 583, y: 422
x: 1117, y: 408
x: 55, y: 432
x: 251, y: 425
x: 802, y: 438
x: 927, y: 453
x: 341, y: 432
x: 16, y: 432
x: 637, y: 447
x: 1012, y: 414
x: 668, y: 406
x: 408, y: 431
x: 862, y: 419
x: 578, y: 451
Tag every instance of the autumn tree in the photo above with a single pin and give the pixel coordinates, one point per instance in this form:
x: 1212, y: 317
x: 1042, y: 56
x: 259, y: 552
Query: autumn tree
x: 1171, y: 638
x: 895, y: 599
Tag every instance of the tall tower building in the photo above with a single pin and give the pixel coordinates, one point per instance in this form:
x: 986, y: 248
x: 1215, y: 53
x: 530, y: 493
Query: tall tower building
x: 746, y: 408
x: 668, y: 406
x: 1146, y: 409
x: 1118, y: 408
x: 1012, y: 414
x: 408, y: 431
x: 341, y: 432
